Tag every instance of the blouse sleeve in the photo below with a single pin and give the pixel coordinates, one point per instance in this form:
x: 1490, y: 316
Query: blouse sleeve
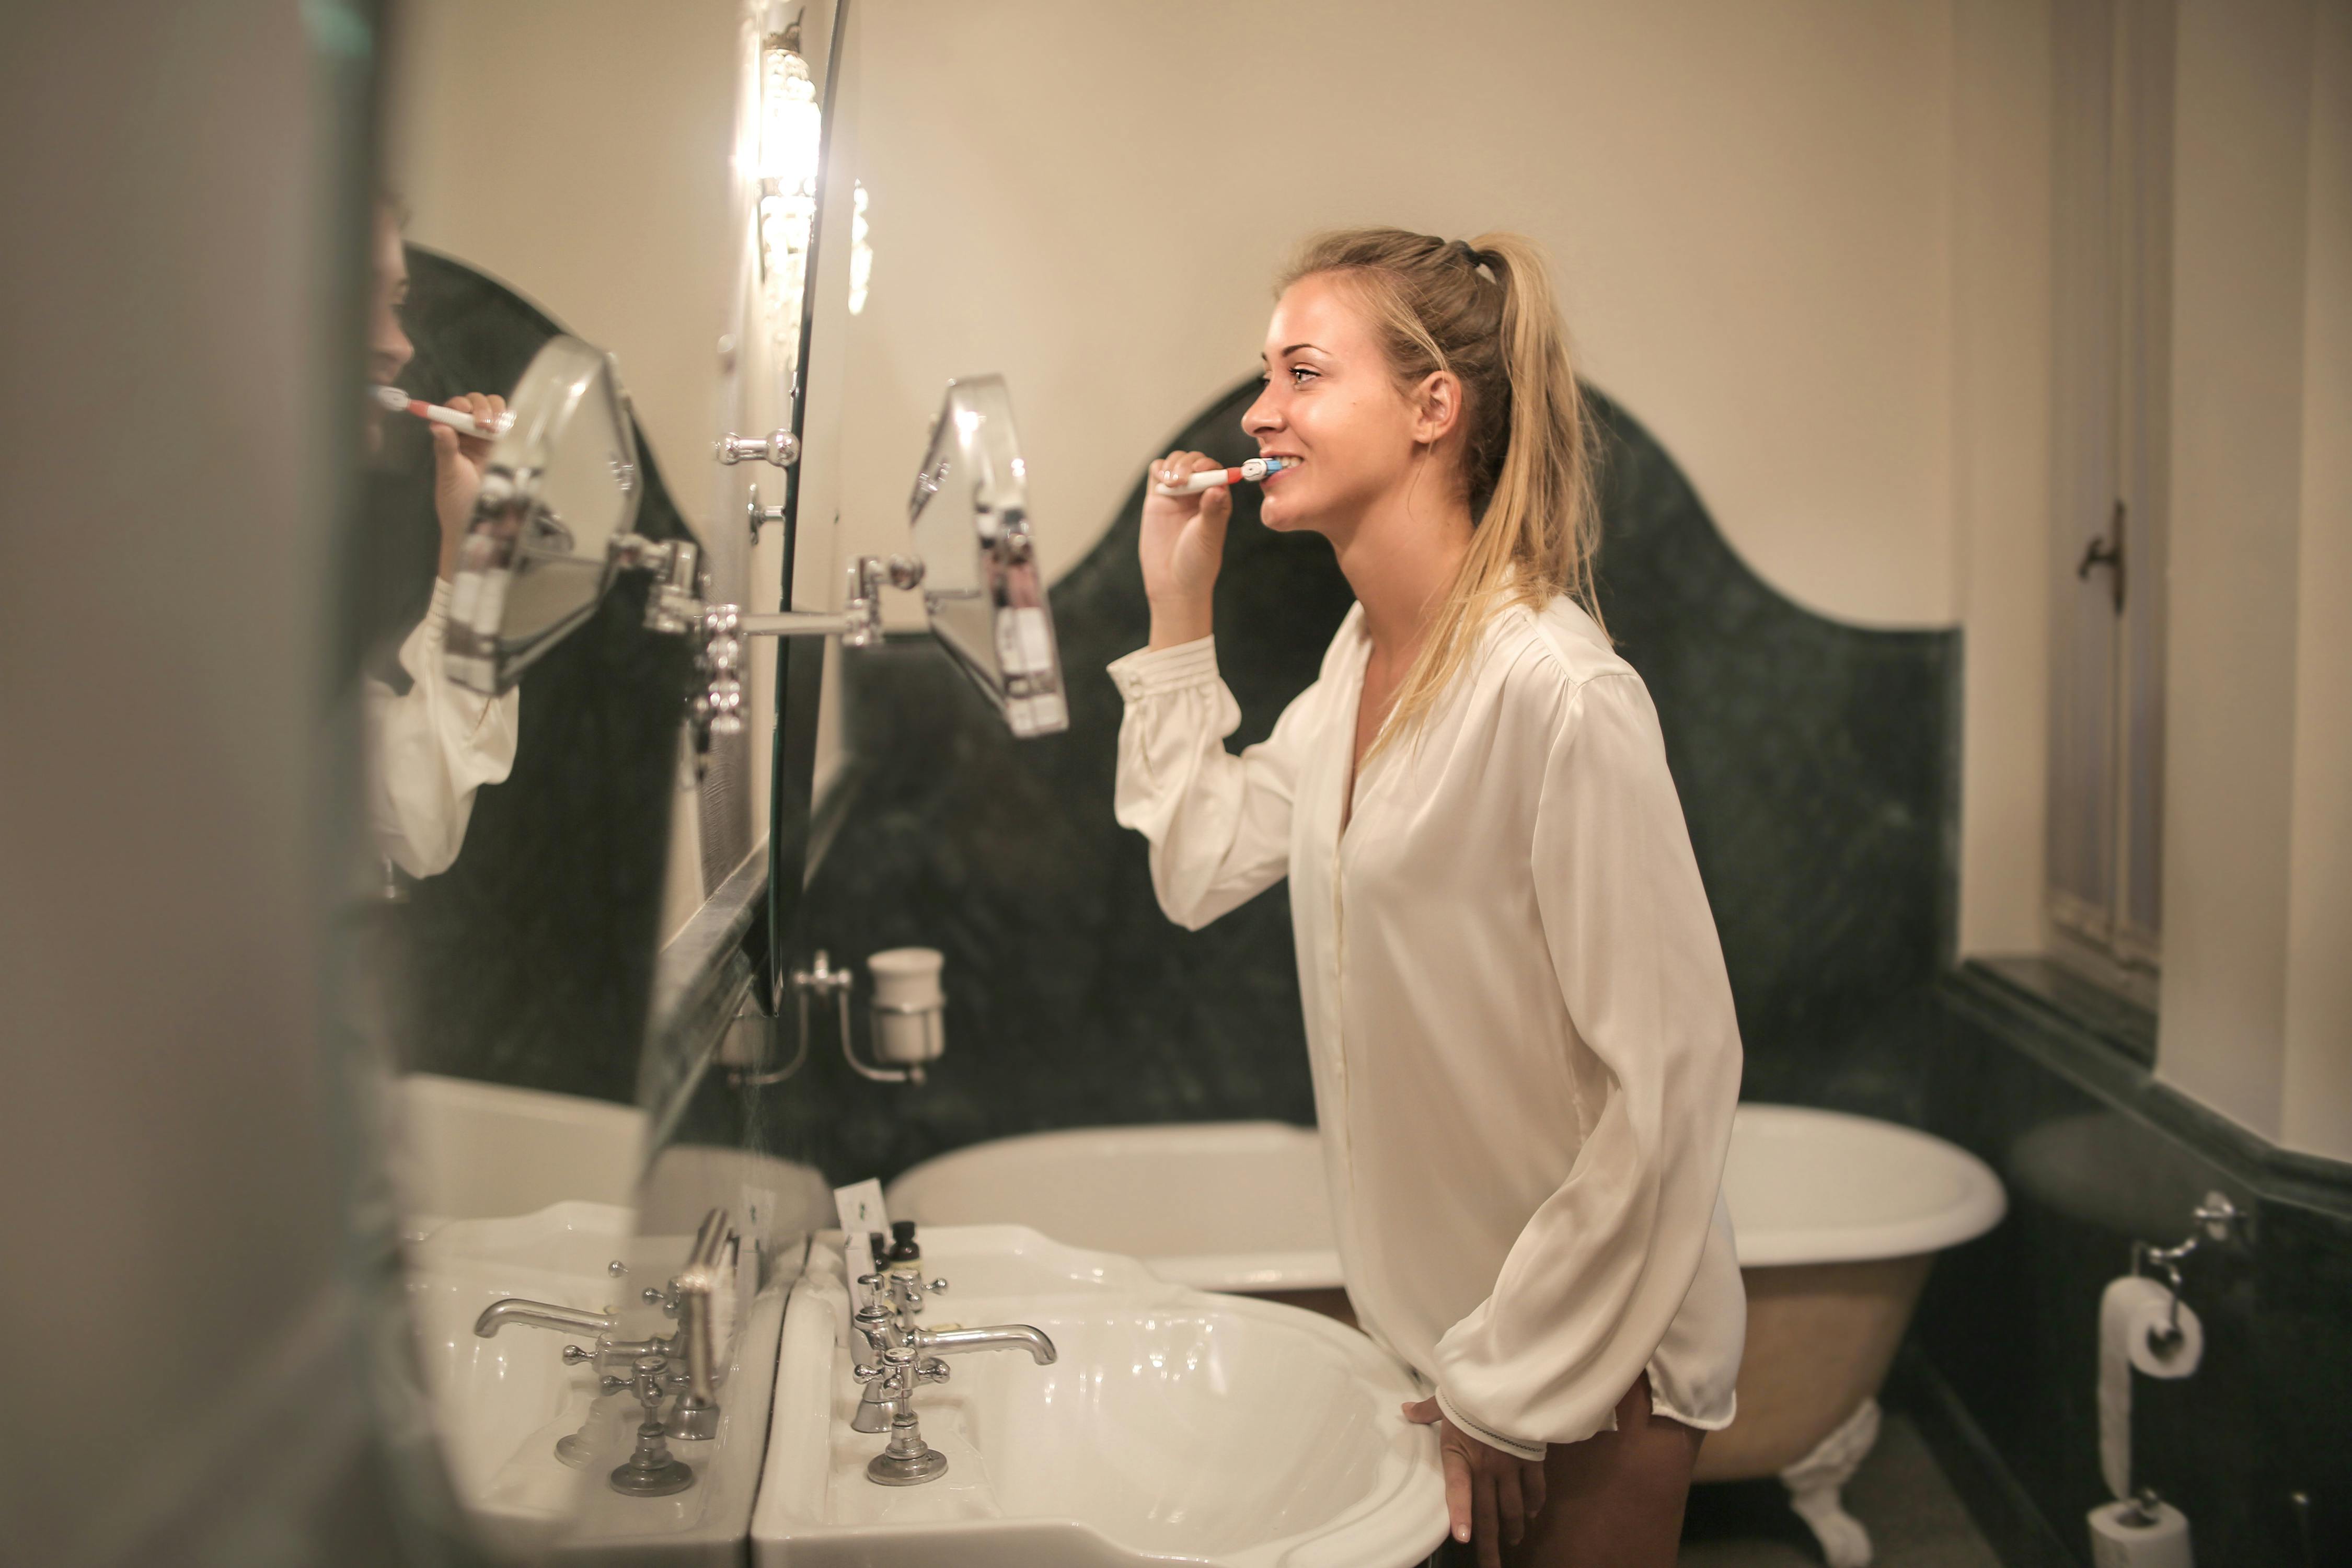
x: 1219, y: 823
x: 430, y: 748
x: 1590, y: 1288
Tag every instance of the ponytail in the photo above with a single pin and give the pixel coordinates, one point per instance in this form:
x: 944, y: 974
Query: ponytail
x: 1484, y: 312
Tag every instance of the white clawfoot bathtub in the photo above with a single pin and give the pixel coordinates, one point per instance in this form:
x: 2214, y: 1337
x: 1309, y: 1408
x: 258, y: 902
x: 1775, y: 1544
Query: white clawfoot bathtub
x: 1838, y: 1219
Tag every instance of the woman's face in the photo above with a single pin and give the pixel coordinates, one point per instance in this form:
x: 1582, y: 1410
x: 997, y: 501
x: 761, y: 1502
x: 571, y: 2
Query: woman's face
x: 1332, y: 402
x: 389, y: 350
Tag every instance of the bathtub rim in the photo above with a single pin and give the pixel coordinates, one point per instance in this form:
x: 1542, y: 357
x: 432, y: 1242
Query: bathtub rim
x: 1306, y: 1268
x: 1981, y: 1204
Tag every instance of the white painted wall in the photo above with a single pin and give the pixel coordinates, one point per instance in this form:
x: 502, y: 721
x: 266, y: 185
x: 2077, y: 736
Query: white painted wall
x: 1749, y: 207
x: 2001, y: 497
x: 2256, y: 1016
x: 2317, y: 1111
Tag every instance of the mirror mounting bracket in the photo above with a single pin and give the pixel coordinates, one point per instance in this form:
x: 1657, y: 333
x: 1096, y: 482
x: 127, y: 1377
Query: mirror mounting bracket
x: 677, y: 606
x: 780, y: 448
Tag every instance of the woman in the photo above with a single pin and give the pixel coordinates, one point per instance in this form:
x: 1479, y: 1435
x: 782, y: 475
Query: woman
x: 431, y: 744
x: 1524, y: 1051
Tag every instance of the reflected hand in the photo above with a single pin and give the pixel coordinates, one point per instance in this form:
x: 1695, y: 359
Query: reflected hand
x: 458, y: 463
x: 1183, y: 544
x: 1489, y: 1495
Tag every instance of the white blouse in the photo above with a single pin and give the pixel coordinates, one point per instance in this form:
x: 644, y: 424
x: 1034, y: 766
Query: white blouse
x: 429, y: 749
x: 1521, y: 1032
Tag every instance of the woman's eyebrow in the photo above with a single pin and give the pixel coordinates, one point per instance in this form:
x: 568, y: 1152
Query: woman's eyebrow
x: 1291, y: 350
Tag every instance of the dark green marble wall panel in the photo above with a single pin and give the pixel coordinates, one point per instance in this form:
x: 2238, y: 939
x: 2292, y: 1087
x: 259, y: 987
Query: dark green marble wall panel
x: 2096, y: 1155
x: 1813, y: 759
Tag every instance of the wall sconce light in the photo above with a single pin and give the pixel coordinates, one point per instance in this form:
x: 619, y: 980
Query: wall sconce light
x: 790, y: 131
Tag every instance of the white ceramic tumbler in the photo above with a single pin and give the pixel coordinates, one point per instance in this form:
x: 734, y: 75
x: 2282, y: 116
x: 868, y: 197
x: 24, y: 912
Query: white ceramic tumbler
x: 908, y: 1004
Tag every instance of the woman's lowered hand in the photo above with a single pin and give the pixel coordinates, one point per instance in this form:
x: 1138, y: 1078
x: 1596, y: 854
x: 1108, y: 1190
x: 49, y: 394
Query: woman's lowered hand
x: 1489, y: 1495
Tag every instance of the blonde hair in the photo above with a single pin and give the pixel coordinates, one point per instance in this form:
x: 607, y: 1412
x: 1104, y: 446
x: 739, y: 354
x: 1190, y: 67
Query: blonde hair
x: 1483, y: 312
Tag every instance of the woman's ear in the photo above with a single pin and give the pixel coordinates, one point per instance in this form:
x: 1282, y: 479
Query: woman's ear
x: 1437, y: 407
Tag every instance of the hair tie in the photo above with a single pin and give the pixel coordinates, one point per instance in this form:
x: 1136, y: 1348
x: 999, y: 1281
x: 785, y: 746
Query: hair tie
x: 1473, y: 257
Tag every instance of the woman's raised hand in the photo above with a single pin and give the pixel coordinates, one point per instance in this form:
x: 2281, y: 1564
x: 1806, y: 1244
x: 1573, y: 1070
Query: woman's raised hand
x: 1489, y: 1495
x: 458, y: 463
x: 1184, y: 543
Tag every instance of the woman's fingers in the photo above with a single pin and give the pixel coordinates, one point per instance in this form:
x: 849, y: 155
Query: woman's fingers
x: 1458, y: 1493
x: 1484, y: 1520
x: 1531, y: 1486
x: 1509, y: 1503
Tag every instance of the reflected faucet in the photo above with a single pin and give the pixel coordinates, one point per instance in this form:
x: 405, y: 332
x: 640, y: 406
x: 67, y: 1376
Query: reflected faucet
x: 686, y: 1363
x: 544, y: 1315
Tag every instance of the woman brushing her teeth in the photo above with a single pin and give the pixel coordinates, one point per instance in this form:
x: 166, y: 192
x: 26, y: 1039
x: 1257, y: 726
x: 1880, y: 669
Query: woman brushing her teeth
x: 1522, y: 1038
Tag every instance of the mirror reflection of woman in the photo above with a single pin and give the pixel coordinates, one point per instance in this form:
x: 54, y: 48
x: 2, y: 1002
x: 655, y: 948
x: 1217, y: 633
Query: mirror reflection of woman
x: 1524, y: 1050
x: 431, y: 744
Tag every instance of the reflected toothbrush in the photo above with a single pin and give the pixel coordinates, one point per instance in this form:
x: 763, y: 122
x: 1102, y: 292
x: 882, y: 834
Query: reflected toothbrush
x: 1256, y: 468
x: 399, y: 402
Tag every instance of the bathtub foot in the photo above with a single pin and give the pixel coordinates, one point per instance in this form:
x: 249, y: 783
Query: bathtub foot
x: 1815, y: 1481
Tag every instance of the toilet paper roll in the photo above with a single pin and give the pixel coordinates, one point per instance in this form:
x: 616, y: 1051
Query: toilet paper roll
x: 2116, y: 1542
x: 2133, y: 1308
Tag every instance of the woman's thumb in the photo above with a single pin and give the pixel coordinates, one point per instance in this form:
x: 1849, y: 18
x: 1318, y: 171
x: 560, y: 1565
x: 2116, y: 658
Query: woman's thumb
x: 1422, y: 1411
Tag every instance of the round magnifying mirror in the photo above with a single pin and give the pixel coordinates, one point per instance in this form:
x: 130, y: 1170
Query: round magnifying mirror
x: 561, y: 485
x: 982, y: 587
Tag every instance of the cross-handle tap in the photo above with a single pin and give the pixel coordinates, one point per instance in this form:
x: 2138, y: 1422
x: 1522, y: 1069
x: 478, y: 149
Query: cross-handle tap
x: 896, y: 1371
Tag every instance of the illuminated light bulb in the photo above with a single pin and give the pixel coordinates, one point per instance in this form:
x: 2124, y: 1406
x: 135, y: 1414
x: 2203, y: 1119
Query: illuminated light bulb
x: 791, y: 134
x: 861, y: 254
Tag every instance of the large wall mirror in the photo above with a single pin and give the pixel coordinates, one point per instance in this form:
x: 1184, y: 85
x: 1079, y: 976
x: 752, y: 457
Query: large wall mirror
x: 598, y: 243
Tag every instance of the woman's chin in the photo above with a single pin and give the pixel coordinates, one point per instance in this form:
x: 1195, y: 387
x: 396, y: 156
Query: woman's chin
x: 1280, y: 514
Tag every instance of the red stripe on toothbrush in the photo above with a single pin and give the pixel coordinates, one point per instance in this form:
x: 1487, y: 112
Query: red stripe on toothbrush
x: 1233, y: 475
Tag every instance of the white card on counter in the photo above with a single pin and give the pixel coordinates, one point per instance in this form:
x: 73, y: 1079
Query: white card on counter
x: 860, y: 1208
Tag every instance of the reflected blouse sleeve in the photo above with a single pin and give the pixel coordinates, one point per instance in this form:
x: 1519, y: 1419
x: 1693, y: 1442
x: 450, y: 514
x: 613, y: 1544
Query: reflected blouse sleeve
x: 1590, y: 1288
x: 429, y: 749
x: 1219, y: 823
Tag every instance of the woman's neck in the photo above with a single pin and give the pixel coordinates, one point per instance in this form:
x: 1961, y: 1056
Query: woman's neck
x: 1400, y: 557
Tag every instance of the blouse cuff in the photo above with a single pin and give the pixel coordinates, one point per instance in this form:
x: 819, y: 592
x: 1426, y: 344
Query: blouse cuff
x: 1532, y: 1452
x: 1150, y: 672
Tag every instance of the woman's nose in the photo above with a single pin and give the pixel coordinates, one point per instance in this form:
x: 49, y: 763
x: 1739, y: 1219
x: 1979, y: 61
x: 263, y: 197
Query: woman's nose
x: 1262, y: 416
x: 393, y: 350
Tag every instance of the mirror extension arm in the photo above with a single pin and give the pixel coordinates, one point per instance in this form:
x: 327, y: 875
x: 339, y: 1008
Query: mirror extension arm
x: 677, y: 605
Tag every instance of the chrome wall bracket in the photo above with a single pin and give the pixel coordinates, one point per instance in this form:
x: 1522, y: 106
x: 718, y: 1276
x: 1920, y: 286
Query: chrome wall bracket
x: 780, y: 448
x: 821, y: 980
x: 2216, y: 1222
x: 677, y: 605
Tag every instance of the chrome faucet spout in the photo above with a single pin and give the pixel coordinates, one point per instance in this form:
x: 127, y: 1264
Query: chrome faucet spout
x: 543, y: 1315
x: 1005, y: 1336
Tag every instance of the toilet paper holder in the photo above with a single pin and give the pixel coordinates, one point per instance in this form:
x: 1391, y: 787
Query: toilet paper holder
x: 2217, y: 1220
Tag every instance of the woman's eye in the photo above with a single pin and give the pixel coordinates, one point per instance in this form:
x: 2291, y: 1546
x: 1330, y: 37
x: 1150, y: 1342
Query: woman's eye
x: 1301, y: 374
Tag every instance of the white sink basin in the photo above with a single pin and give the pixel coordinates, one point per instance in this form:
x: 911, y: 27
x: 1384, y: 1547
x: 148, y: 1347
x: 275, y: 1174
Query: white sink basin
x: 502, y: 1403
x: 1174, y: 1426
